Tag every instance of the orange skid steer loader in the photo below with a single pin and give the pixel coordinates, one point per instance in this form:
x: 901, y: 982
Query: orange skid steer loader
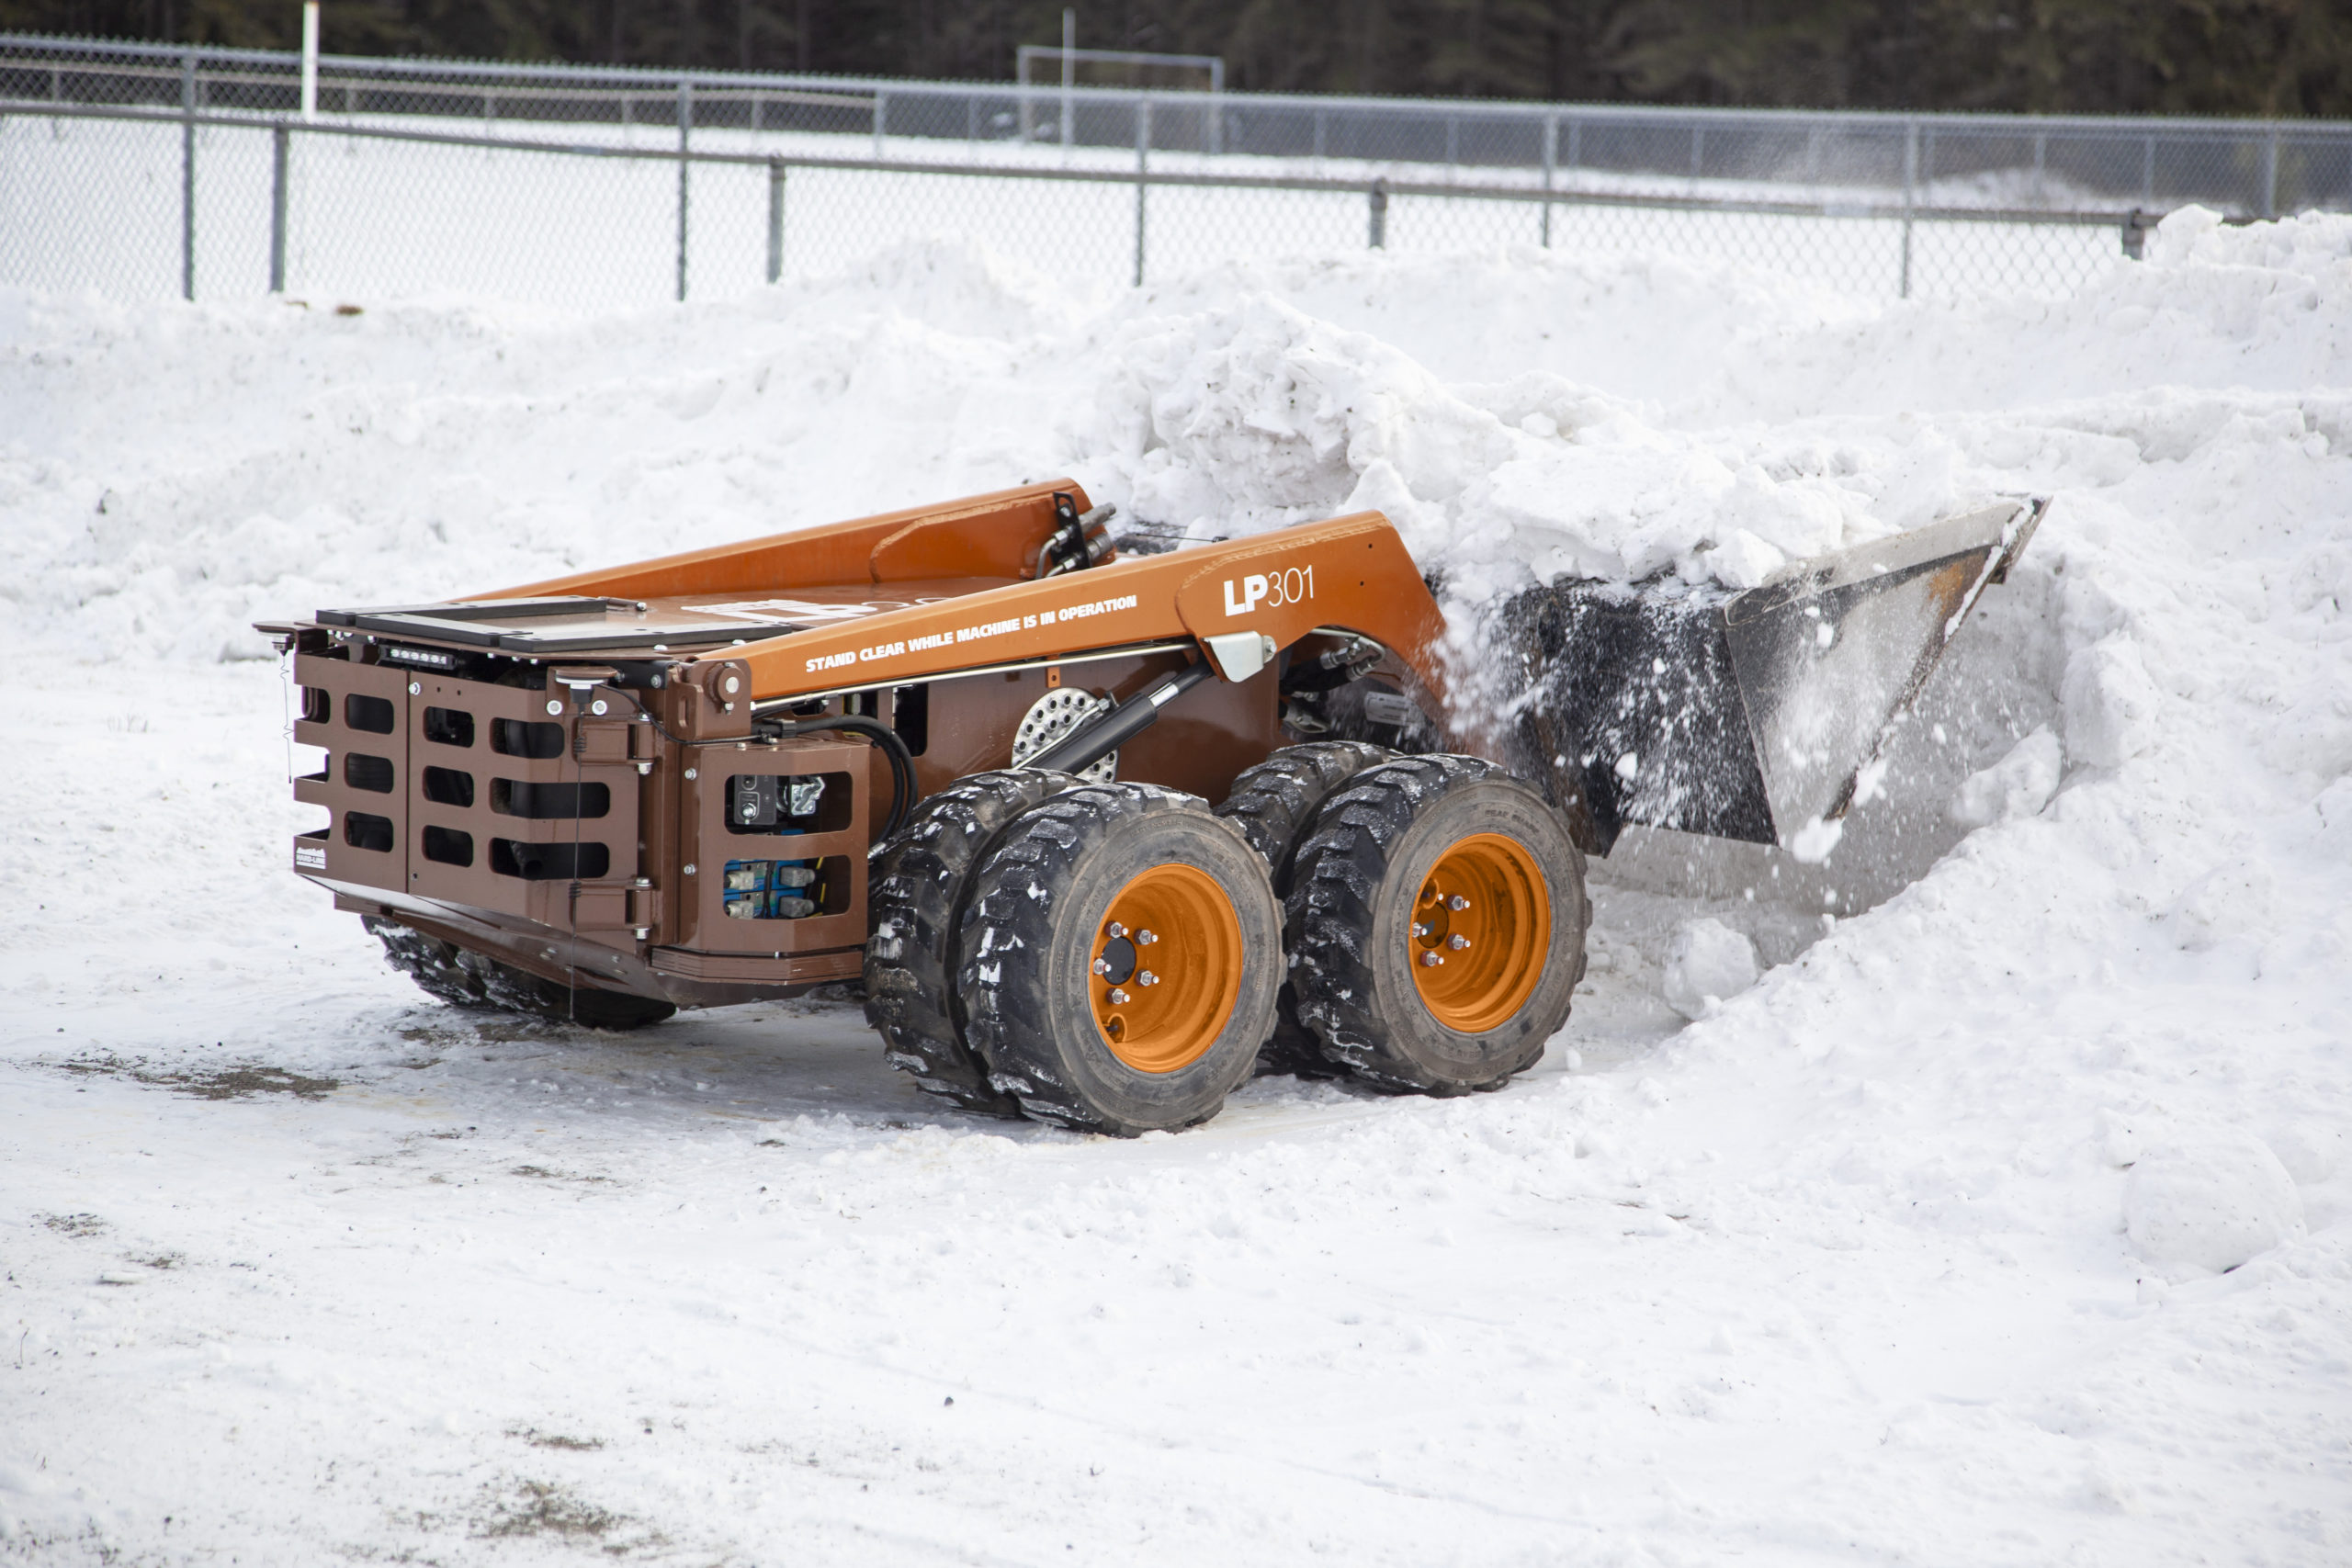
x: 1099, y: 831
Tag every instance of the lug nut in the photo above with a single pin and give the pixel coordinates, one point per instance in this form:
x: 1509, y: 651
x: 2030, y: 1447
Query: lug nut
x: 1457, y: 902
x: 1457, y: 942
x: 1102, y: 966
x: 1145, y: 938
x: 1118, y: 997
x: 1431, y: 960
x: 1114, y: 930
x: 1146, y: 978
x: 1420, y: 929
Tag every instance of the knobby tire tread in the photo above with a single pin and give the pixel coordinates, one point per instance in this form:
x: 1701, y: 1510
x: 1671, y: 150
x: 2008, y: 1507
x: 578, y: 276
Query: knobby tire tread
x: 462, y: 979
x: 916, y: 904
x: 1274, y: 804
x: 1338, y: 875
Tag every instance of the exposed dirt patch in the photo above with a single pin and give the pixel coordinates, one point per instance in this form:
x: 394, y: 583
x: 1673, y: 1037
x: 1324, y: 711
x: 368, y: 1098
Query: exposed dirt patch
x: 543, y: 1509
x: 544, y: 1174
x: 215, y: 1083
x: 539, y: 1439
x: 73, y: 1224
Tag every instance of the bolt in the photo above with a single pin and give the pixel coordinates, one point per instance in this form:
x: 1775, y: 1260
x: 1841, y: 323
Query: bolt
x: 1114, y: 930
x: 596, y: 707
x: 1420, y: 929
x: 1431, y: 960
x: 1457, y: 902
x: 554, y: 704
x: 689, y: 868
x: 1118, y: 997
x: 1102, y: 966
x: 732, y: 686
x: 1147, y: 979
x: 415, y: 689
x: 1145, y: 938
x: 690, y: 772
x: 1457, y: 942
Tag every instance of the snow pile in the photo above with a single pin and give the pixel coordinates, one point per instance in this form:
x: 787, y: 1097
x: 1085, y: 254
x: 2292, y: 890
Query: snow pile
x: 1905, y: 1251
x: 2211, y: 1204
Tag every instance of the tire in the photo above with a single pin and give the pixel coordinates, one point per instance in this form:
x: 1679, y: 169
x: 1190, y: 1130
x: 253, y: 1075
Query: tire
x: 919, y: 889
x: 1274, y: 804
x: 467, y: 979
x: 1364, y: 933
x: 1116, y: 1052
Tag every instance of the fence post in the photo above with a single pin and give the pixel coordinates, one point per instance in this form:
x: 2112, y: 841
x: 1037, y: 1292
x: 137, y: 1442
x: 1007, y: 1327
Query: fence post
x: 685, y: 168
x: 187, y: 175
x: 1551, y: 156
x: 1910, y: 194
x: 775, y: 219
x: 1069, y: 78
x: 1216, y: 110
x: 278, y: 137
x: 2270, y: 175
x: 881, y: 122
x: 1380, y: 215
x: 1143, y: 163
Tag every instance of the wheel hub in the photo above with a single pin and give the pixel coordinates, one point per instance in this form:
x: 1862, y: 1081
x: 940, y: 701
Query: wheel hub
x: 1480, y: 929
x: 1165, y: 968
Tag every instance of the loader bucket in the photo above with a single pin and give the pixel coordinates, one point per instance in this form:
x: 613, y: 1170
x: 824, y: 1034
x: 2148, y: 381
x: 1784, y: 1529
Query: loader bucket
x: 1745, y: 714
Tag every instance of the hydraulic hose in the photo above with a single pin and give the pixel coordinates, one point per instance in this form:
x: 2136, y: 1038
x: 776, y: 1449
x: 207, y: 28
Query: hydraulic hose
x: 886, y: 739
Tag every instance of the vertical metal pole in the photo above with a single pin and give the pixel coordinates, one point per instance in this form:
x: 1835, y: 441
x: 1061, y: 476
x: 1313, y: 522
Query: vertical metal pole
x: 278, y: 137
x: 1217, y: 107
x: 775, y: 219
x: 1698, y: 148
x: 310, y: 60
x: 187, y: 175
x: 1069, y: 74
x: 881, y: 122
x: 2270, y: 175
x: 1910, y: 194
x: 2041, y: 163
x: 1379, y: 225
x: 1143, y: 164
x: 1551, y: 156
x: 2148, y: 173
x: 686, y: 167
x: 1320, y: 140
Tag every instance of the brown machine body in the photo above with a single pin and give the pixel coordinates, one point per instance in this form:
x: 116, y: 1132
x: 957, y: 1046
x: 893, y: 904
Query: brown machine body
x: 545, y: 774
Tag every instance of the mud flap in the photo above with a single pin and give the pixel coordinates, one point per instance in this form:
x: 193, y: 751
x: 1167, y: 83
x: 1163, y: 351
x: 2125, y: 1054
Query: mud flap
x: 1756, y: 714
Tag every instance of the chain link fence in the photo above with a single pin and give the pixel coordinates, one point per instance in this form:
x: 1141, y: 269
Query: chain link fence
x: 153, y: 171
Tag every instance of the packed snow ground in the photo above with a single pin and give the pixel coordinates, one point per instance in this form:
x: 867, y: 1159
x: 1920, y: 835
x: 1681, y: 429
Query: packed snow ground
x: 1912, y: 1251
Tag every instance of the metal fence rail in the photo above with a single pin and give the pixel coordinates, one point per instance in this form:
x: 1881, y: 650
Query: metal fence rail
x: 2248, y: 168
x: 135, y: 200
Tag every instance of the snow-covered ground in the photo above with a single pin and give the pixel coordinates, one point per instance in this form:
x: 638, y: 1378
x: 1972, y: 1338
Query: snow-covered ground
x: 2005, y: 1219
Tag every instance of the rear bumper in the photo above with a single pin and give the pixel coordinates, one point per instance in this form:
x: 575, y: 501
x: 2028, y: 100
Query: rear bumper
x: 569, y: 833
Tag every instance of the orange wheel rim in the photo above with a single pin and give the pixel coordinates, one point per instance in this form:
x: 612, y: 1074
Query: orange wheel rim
x: 1480, y: 932
x: 1165, y: 969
